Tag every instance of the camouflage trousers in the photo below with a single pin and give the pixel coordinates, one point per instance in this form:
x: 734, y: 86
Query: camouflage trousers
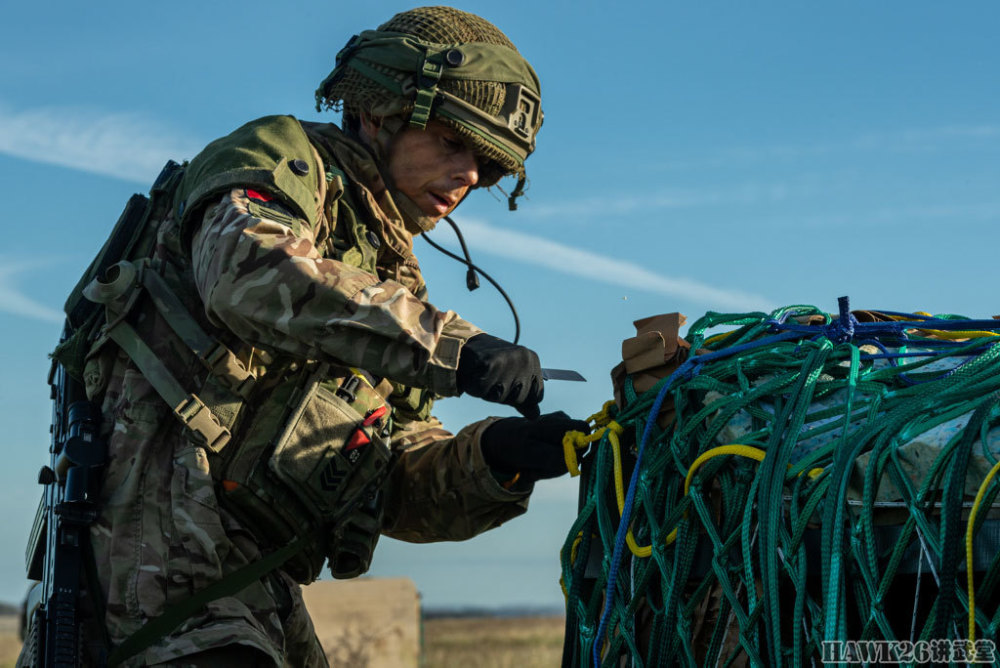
x: 161, y: 536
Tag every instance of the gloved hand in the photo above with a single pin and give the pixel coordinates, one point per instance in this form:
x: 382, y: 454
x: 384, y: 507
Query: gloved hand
x: 532, y: 448
x: 501, y: 372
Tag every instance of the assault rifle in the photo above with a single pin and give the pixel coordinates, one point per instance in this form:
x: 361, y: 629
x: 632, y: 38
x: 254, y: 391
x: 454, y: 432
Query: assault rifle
x: 59, y: 546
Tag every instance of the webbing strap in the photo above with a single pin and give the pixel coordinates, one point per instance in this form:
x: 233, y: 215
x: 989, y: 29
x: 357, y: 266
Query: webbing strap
x: 427, y: 80
x: 188, y: 408
x: 217, y: 358
x: 158, y: 627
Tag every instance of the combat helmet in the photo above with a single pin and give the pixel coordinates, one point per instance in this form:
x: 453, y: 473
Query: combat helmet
x: 444, y: 64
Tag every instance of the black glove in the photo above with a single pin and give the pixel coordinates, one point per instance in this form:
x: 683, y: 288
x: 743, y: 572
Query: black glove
x: 532, y: 448
x: 501, y: 372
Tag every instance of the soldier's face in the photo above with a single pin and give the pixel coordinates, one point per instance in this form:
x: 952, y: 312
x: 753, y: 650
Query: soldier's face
x: 433, y: 167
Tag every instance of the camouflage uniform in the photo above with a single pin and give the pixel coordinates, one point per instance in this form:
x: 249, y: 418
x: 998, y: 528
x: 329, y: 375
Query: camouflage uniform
x: 275, y: 283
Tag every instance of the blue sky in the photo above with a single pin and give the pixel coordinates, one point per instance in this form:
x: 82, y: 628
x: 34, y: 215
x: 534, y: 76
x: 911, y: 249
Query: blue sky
x: 695, y: 156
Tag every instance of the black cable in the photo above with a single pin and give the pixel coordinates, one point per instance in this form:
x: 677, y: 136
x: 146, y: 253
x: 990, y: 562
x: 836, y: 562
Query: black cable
x: 471, y: 280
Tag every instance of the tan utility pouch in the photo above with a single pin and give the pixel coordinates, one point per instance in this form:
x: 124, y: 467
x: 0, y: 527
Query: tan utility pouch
x: 308, y: 458
x: 331, y: 448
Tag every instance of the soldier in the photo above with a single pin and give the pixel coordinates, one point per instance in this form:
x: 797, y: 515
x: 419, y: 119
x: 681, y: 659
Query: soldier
x: 252, y: 367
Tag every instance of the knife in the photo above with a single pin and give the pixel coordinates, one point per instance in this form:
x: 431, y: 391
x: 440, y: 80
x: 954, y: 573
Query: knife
x: 561, y: 374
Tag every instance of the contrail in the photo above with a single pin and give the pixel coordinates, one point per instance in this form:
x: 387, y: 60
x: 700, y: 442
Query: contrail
x: 601, y: 268
x: 13, y: 301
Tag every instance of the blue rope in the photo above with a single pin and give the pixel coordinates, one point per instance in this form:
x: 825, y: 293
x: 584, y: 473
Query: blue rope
x: 688, y: 367
x: 845, y: 328
x: 893, y: 356
x: 841, y: 330
x: 898, y: 326
x: 743, y: 347
x: 685, y: 371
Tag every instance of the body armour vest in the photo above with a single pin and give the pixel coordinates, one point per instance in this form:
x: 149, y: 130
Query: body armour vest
x: 298, y: 448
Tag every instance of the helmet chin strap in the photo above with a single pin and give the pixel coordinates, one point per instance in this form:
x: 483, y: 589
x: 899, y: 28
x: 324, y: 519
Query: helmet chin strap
x: 415, y: 220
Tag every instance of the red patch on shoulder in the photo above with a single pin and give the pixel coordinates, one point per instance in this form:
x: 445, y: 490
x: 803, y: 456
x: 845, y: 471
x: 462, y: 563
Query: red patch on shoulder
x: 260, y: 197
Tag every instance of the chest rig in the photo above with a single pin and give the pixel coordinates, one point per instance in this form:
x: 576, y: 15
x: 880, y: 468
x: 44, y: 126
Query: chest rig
x: 298, y: 448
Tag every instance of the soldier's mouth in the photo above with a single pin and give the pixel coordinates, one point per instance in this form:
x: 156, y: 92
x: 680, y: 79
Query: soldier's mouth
x: 441, y: 204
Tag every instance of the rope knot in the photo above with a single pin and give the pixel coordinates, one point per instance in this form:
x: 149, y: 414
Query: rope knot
x: 841, y: 330
x: 577, y: 440
x: 607, y: 413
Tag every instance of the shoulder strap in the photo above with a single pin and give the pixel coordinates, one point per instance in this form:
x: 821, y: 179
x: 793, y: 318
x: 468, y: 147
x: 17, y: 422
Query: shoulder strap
x: 119, y: 292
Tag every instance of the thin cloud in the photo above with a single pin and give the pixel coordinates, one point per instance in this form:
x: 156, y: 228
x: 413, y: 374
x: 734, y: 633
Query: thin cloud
x: 603, y: 269
x: 958, y: 214
x: 123, y: 145
x: 920, y: 140
x: 15, y: 302
x: 616, y: 204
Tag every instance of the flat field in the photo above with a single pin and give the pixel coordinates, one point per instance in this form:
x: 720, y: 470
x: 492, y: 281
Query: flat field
x: 10, y: 644
x: 493, y: 642
x: 448, y: 642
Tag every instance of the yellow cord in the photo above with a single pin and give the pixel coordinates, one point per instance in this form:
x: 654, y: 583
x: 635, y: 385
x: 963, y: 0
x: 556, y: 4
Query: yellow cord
x: 572, y: 560
x: 577, y: 440
x: 641, y: 551
x: 947, y: 334
x: 603, y: 416
x: 718, y: 337
x: 957, y: 334
x: 968, y: 549
x: 732, y: 449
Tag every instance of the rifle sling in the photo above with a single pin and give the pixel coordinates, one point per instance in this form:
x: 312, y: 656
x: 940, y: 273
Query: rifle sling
x: 162, y: 625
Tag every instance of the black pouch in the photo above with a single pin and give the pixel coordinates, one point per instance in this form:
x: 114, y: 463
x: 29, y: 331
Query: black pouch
x: 131, y: 238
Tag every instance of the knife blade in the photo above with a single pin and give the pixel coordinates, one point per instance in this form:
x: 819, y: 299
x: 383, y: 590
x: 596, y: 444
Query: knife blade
x: 562, y: 374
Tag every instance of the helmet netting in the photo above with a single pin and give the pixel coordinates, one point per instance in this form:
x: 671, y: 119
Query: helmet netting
x: 357, y: 94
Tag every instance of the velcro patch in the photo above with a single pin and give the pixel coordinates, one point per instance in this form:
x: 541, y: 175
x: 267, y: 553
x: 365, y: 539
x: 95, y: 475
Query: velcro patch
x: 274, y: 210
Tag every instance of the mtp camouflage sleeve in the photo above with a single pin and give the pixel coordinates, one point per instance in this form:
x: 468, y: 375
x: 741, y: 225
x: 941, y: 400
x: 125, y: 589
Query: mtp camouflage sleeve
x: 441, y: 487
x: 264, y: 279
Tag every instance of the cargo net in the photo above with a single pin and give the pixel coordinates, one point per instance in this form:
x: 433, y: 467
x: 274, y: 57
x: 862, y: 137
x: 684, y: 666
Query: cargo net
x: 801, y: 478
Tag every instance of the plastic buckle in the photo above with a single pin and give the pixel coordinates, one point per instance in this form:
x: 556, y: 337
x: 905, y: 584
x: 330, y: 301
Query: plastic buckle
x: 347, y: 390
x: 198, y: 419
x: 223, y: 364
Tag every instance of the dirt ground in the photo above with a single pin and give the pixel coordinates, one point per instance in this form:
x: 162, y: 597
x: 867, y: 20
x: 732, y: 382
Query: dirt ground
x: 485, y: 642
x: 10, y: 645
x: 493, y: 642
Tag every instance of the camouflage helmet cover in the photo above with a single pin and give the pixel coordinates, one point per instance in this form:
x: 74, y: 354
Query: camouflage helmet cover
x: 450, y: 65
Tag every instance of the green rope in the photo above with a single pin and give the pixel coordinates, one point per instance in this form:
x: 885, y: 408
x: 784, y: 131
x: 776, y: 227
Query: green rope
x: 865, y: 428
